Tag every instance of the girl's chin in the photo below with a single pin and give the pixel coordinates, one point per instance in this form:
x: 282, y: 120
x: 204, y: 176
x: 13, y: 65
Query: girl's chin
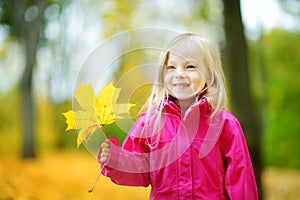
x: 184, y: 98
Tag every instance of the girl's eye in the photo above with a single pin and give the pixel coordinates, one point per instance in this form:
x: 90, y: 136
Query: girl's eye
x: 170, y: 67
x: 190, y: 67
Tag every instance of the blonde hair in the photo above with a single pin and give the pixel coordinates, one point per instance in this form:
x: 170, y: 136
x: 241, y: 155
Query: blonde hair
x: 209, y: 55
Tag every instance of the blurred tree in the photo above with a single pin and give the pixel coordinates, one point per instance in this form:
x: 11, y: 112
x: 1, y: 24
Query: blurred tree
x: 119, y: 16
x: 291, y: 6
x: 25, y: 21
x: 281, y: 137
x: 292, y: 9
x: 236, y: 67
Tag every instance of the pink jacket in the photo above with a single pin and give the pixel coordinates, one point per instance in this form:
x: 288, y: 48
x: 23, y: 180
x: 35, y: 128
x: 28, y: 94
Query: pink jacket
x: 195, y: 158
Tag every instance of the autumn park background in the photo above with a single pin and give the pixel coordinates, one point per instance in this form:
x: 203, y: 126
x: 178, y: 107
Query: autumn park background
x: 44, y: 43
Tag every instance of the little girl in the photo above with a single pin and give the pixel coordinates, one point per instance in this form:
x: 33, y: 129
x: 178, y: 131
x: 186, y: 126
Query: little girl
x: 186, y: 145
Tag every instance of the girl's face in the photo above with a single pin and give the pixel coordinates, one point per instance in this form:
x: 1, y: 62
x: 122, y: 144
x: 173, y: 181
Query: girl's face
x: 184, y: 76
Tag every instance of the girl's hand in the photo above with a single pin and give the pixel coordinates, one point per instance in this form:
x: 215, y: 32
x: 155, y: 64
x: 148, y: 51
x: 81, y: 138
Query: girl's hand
x: 105, y: 151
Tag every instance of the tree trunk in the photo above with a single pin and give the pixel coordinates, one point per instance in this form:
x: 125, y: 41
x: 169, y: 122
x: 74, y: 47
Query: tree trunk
x: 31, y: 38
x: 241, y: 99
x: 27, y: 98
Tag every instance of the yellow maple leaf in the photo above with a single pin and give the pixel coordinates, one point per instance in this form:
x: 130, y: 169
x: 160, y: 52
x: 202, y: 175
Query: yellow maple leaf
x: 104, y: 104
x: 70, y: 120
x: 94, y: 113
x: 107, y: 108
x: 84, y: 120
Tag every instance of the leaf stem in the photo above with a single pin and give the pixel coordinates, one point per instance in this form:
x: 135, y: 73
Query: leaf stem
x: 95, y: 182
x: 102, y: 167
x: 104, y: 132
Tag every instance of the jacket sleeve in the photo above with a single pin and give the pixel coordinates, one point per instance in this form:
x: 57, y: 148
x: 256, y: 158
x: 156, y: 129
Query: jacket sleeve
x: 239, y: 176
x: 128, y: 165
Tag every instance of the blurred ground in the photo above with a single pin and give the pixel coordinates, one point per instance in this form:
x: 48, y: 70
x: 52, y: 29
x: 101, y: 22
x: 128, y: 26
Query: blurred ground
x: 69, y: 175
x: 59, y: 176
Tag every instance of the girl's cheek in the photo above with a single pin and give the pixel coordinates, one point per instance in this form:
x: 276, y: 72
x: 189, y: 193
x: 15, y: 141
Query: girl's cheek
x: 167, y: 78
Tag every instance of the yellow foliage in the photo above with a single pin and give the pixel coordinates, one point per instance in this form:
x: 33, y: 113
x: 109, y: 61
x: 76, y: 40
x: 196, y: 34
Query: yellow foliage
x: 95, y: 112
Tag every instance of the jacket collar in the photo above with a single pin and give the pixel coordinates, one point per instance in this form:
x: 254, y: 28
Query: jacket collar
x: 202, y: 104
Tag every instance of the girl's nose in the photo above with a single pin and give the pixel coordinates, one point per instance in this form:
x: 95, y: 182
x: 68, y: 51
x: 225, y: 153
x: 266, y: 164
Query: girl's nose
x: 180, y: 73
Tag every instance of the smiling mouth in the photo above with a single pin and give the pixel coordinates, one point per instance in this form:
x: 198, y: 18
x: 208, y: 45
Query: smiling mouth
x: 181, y: 85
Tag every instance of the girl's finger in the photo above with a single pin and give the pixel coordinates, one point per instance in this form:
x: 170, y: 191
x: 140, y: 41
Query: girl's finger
x: 103, y: 159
